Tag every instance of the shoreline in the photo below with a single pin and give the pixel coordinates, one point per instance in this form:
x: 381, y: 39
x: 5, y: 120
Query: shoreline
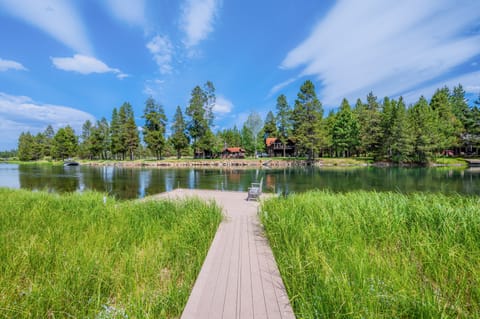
x: 246, y: 163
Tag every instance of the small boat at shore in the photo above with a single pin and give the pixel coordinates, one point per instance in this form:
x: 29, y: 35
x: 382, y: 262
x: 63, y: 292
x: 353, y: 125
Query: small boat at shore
x: 71, y: 163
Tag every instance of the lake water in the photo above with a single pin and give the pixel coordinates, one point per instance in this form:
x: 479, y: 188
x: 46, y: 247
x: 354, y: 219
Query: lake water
x: 127, y: 183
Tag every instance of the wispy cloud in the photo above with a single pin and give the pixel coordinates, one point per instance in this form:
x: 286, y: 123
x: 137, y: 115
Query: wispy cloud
x: 222, y: 106
x: 389, y: 47
x: 6, y: 65
x: 281, y: 85
x: 58, y: 18
x: 85, y: 65
x: 21, y: 113
x: 469, y: 81
x: 162, y: 50
x: 132, y: 12
x: 197, y: 20
x: 153, y: 87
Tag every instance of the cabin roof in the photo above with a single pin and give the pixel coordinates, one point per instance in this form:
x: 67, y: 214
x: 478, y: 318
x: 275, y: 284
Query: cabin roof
x: 270, y: 140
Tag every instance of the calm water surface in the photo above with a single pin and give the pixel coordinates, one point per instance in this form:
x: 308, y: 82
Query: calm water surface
x: 126, y: 183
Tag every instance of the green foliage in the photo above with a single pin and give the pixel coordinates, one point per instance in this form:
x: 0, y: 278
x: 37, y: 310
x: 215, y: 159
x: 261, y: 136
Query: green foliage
x: 345, y: 131
x: 307, y: 120
x: 65, y: 143
x: 154, y: 128
x: 81, y: 256
x: 25, y: 147
x: 270, y: 126
x: 448, y: 126
x: 284, y: 120
x: 200, y: 111
x: 377, y: 255
x: 179, y: 138
x: 230, y: 137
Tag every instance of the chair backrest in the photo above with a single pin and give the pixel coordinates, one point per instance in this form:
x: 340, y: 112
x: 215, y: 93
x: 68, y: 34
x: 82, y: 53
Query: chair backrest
x: 261, y: 184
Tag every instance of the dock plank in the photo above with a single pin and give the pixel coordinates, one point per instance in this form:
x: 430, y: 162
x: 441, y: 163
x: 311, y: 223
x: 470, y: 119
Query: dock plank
x: 239, y: 278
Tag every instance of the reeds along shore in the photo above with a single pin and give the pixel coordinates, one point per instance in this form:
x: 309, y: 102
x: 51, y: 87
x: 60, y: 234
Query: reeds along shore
x: 377, y: 255
x: 87, y: 256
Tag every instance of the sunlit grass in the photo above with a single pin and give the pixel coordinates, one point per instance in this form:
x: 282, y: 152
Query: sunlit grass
x: 377, y: 255
x: 79, y: 256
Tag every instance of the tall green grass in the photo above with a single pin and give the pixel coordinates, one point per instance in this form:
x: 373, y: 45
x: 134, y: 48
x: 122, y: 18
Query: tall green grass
x: 377, y: 255
x: 74, y: 256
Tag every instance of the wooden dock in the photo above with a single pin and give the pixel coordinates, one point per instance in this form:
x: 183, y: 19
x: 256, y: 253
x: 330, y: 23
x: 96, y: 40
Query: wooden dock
x: 239, y: 277
x: 473, y: 162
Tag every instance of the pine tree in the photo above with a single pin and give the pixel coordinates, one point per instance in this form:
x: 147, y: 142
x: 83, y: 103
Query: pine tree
x: 373, y: 131
x: 179, y: 137
x: 49, y: 133
x: 25, y: 146
x: 116, y: 146
x: 344, y: 130
x: 85, y: 146
x: 270, y: 126
x: 284, y: 121
x: 448, y: 126
x: 154, y: 128
x: 422, y: 121
x: 200, y: 111
x: 307, y: 120
x: 129, y: 130
x: 401, y: 142
x: 104, y: 138
x: 65, y: 143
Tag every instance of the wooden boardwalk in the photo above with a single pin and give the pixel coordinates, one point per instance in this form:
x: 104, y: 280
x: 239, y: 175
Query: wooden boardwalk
x: 239, y: 278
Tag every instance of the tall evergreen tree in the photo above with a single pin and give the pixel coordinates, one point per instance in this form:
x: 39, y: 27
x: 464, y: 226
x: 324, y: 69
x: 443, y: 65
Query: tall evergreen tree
x: 103, y: 137
x: 128, y: 131
x: 307, y: 120
x: 154, y: 128
x: 116, y: 143
x: 459, y: 105
x: 373, y: 130
x: 26, y: 146
x: 345, y: 130
x: 270, y: 126
x: 401, y: 142
x: 284, y: 121
x: 85, y: 147
x: 247, y: 142
x: 179, y: 137
x: 448, y: 126
x: 200, y: 111
x: 49, y: 133
x: 422, y: 121
x: 65, y: 143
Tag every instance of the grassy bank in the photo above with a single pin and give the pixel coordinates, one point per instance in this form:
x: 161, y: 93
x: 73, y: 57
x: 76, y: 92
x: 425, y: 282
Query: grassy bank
x: 377, y: 255
x: 76, y: 256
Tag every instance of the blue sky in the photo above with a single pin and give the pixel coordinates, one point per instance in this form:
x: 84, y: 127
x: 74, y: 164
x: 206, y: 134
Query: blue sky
x: 63, y: 62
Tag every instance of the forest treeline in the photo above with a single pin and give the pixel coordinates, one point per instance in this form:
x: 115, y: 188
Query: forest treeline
x: 383, y: 129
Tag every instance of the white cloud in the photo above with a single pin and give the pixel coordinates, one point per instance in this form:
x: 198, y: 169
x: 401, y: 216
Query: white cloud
x: 281, y: 85
x: 20, y: 113
x: 162, y: 50
x: 153, y: 87
x: 469, y: 81
x: 197, y: 20
x: 389, y: 47
x: 58, y: 18
x: 222, y: 106
x: 132, y: 12
x: 85, y: 65
x: 6, y: 65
